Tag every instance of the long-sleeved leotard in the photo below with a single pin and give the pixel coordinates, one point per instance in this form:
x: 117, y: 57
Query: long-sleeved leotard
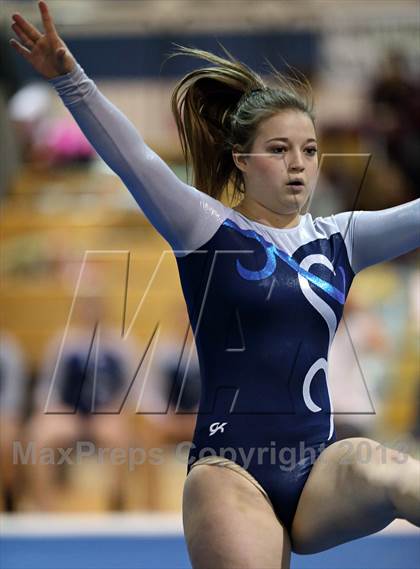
x: 264, y: 303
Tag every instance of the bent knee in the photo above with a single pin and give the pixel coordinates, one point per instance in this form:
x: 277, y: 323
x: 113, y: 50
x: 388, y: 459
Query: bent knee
x: 375, y: 464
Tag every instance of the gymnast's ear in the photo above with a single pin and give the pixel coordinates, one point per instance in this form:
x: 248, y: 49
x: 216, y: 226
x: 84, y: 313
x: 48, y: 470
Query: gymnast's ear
x: 239, y: 160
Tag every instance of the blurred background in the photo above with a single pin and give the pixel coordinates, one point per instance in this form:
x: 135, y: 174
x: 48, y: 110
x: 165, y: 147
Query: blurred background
x: 79, y: 260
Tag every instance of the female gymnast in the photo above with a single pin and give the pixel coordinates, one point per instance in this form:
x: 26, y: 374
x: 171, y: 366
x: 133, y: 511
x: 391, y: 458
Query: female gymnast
x: 265, y: 285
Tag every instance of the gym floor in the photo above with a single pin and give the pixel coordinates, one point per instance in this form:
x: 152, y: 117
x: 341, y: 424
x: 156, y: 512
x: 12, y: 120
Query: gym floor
x: 132, y: 541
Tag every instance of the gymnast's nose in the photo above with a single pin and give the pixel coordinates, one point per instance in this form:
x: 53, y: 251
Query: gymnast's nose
x: 296, y: 163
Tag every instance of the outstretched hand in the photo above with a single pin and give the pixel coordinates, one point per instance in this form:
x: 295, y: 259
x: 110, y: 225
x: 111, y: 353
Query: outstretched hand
x: 46, y: 52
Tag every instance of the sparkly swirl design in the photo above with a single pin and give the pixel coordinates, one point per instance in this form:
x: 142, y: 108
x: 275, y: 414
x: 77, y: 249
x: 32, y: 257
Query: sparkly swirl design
x: 271, y: 264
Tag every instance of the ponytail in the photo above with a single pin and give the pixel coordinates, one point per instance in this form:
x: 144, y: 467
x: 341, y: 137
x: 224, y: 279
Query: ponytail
x: 219, y: 107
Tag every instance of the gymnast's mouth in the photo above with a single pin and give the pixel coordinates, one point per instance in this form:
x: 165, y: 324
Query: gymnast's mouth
x: 296, y: 183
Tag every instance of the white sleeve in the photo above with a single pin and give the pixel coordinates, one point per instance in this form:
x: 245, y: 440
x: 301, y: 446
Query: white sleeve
x: 184, y: 216
x: 375, y: 236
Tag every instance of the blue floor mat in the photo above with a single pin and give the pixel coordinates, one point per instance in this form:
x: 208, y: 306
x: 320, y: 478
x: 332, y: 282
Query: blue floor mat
x: 375, y: 552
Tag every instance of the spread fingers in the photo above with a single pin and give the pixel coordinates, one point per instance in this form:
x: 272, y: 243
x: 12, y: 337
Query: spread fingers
x: 31, y: 32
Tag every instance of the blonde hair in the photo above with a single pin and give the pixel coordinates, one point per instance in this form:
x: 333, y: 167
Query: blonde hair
x: 220, y: 107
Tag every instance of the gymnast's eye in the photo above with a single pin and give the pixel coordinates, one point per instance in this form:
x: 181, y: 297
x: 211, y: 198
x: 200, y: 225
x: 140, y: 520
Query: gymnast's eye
x: 280, y: 149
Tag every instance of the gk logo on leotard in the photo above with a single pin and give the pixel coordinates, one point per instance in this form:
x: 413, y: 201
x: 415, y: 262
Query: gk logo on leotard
x: 214, y: 427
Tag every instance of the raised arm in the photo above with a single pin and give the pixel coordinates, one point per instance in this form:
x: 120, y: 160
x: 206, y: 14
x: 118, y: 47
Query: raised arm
x: 184, y: 216
x: 375, y: 236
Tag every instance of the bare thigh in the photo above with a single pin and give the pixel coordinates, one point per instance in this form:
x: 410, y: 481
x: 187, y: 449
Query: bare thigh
x: 346, y: 495
x: 229, y: 524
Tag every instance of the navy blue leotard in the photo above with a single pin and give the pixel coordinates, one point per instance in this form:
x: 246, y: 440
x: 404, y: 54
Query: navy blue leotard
x: 264, y: 303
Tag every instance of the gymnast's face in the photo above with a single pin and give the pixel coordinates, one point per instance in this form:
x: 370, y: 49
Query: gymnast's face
x: 284, y: 148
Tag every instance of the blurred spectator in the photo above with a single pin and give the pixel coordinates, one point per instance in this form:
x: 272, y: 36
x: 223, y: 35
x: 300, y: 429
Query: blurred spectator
x: 46, y: 140
x: 80, y: 393
x: 395, y: 118
x: 169, y: 406
x: 176, y: 387
x: 356, y: 370
x: 413, y: 352
x: 410, y: 368
x: 12, y: 400
x: 415, y: 429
